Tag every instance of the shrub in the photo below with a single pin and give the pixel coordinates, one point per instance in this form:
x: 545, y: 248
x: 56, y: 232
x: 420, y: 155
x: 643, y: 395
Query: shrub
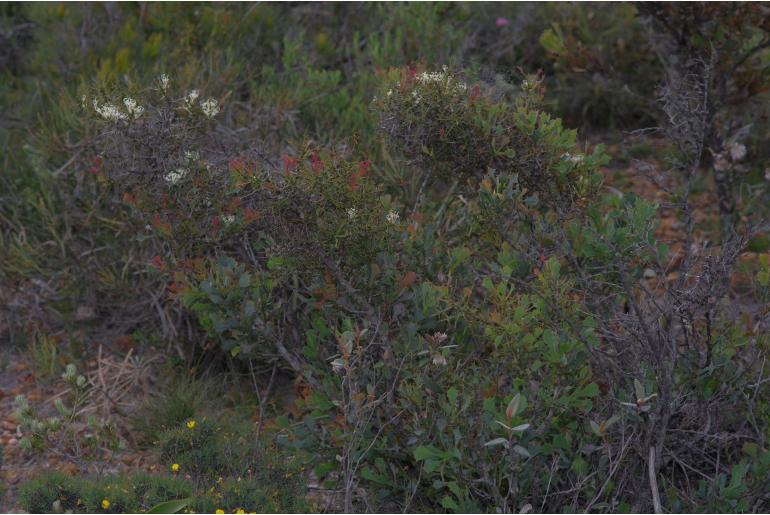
x: 461, y: 132
x: 604, y: 72
x: 714, y: 58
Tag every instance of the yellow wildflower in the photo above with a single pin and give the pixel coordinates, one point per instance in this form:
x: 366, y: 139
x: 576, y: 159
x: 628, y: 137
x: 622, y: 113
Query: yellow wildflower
x: 105, y: 504
x: 240, y: 511
x: 190, y: 424
x: 175, y: 467
x: 219, y: 511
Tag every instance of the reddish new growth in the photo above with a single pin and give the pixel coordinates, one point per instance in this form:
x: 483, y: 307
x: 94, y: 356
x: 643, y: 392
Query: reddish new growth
x: 288, y: 163
x: 474, y: 92
x: 315, y: 163
x: 157, y: 262
x: 97, y: 161
x: 238, y: 164
x: 363, y: 170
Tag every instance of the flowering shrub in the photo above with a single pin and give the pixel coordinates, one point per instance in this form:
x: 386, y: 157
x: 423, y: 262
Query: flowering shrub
x: 462, y: 131
x: 471, y: 322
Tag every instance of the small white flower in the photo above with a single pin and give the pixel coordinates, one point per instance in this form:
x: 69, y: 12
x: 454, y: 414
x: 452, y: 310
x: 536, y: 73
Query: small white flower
x: 210, y: 107
x: 83, y: 101
x: 191, y: 97
x: 192, y: 156
x: 390, y: 92
x: 228, y: 219
x: 737, y: 151
x: 416, y: 97
x: 439, y: 359
x: 175, y: 176
x: 574, y: 159
x: 439, y: 337
x: 132, y: 107
x: 392, y: 217
x: 352, y: 212
x: 164, y: 82
x: 338, y: 366
x: 109, y: 112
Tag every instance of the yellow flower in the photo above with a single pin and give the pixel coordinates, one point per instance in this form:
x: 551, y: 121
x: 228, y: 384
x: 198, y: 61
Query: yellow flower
x: 190, y: 424
x: 219, y: 511
x: 105, y: 504
x: 175, y: 467
x: 240, y: 511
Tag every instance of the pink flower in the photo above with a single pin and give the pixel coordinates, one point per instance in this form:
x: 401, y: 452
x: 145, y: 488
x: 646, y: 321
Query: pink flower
x: 502, y: 22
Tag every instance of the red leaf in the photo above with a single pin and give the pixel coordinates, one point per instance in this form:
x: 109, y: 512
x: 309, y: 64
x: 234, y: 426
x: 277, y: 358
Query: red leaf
x: 363, y: 168
x: 315, y: 163
x: 129, y: 199
x: 288, y: 163
x: 409, y: 278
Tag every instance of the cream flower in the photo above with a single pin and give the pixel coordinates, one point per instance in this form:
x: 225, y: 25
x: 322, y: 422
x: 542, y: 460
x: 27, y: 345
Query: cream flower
x: 164, y: 81
x: 134, y: 110
x: 210, y: 107
x: 191, y: 97
x: 175, y: 176
x: 109, y: 112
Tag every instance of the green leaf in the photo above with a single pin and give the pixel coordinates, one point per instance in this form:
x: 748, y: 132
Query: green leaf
x: 590, y: 390
x: 521, y: 451
x: 452, y: 394
x: 424, y: 453
x: 750, y: 449
x: 579, y: 466
x: 275, y: 262
x: 323, y: 469
x: 448, y: 503
x: 173, y: 506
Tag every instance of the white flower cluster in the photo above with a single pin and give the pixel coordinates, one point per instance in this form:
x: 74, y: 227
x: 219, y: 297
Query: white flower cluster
x: 109, y: 112
x: 737, y: 151
x: 228, y: 219
x: 177, y: 175
x: 113, y: 113
x: 443, y: 78
x: 192, y: 156
x: 164, y: 82
x: 191, y: 97
x: 210, y: 106
x: 352, y: 213
x: 574, y: 159
x: 392, y: 217
x: 134, y: 109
